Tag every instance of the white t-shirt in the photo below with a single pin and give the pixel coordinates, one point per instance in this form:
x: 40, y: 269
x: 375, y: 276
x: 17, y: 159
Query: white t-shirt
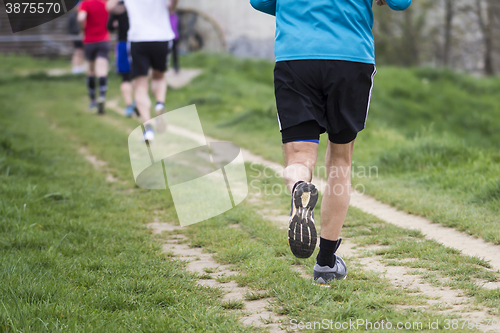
x: 149, y: 21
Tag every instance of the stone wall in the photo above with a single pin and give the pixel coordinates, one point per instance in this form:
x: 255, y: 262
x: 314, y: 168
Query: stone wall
x: 247, y: 32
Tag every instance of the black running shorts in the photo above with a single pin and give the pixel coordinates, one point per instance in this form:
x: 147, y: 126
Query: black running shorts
x: 96, y: 50
x: 146, y: 55
x: 317, y: 96
x: 78, y: 44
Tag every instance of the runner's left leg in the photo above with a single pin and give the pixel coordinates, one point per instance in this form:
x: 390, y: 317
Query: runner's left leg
x: 101, y: 71
x: 334, y: 208
x: 159, y: 88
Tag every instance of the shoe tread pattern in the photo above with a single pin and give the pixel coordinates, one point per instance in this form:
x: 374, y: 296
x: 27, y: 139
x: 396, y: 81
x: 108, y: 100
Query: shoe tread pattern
x: 302, y: 235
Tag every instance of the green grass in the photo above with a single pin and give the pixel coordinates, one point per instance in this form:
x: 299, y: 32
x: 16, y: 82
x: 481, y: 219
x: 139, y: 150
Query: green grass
x: 75, y: 254
x: 12, y: 65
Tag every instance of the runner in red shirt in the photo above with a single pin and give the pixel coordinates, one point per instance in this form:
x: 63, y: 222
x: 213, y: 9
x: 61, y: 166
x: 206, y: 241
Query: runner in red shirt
x: 93, y: 18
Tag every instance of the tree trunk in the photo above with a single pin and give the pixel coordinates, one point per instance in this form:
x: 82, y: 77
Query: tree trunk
x: 449, y: 15
x: 486, y: 25
x: 488, y: 40
x: 411, y: 50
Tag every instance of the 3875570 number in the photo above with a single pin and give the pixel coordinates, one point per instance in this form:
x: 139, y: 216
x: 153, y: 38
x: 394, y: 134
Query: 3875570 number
x: 33, y: 8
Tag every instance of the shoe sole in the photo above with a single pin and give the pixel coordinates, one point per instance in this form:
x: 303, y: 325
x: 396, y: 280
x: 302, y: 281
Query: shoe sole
x: 320, y: 280
x: 302, y: 236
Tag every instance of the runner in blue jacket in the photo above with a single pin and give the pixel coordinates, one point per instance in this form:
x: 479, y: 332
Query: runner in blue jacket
x: 325, y: 64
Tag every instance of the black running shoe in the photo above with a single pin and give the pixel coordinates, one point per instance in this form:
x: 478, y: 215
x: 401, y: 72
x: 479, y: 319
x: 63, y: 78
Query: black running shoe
x: 101, y: 105
x: 302, y: 235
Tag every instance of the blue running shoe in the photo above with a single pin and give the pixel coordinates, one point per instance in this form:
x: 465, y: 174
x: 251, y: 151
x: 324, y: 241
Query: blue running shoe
x: 129, y: 111
x: 92, y: 107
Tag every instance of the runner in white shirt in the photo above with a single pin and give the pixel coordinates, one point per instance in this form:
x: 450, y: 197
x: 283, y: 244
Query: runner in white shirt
x: 150, y: 36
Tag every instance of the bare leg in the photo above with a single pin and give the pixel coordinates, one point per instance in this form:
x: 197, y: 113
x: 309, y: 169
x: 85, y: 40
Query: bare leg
x: 300, y: 159
x: 91, y: 84
x: 91, y: 68
x: 159, y: 86
x: 101, y: 67
x: 142, y: 97
x: 77, y: 60
x: 338, y: 192
x: 126, y: 89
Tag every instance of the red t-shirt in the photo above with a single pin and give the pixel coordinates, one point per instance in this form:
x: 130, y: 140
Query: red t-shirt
x: 97, y: 18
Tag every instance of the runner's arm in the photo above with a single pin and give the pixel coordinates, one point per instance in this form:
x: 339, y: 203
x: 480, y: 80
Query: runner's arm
x: 265, y: 6
x: 82, y: 16
x: 111, y: 4
x: 111, y: 23
x: 395, y: 4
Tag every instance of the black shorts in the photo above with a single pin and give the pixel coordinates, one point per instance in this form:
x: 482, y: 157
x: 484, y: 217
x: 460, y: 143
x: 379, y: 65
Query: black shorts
x: 317, y: 96
x: 96, y: 50
x: 147, y: 55
x: 78, y: 44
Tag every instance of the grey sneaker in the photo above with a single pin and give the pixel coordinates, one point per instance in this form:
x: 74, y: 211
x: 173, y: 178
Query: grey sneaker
x: 302, y: 235
x: 325, y: 274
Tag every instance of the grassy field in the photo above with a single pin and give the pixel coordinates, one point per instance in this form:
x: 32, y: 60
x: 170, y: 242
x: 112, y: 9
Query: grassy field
x: 75, y: 254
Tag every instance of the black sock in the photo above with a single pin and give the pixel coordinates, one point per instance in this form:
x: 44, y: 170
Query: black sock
x: 103, y: 86
x: 91, y: 87
x: 326, y: 255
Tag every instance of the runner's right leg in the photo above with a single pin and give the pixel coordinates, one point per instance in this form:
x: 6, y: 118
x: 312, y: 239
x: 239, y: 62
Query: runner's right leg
x: 300, y: 159
x: 158, y: 82
x: 175, y: 55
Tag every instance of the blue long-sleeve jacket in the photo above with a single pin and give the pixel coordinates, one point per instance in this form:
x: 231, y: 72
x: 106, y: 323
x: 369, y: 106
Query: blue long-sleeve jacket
x: 324, y: 29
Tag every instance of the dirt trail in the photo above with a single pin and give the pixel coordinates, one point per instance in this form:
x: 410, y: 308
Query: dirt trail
x: 182, y: 78
x: 174, y: 80
x: 214, y: 275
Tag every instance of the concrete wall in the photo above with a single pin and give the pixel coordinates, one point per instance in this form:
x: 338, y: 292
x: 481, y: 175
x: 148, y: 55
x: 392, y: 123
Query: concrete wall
x: 248, y: 32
